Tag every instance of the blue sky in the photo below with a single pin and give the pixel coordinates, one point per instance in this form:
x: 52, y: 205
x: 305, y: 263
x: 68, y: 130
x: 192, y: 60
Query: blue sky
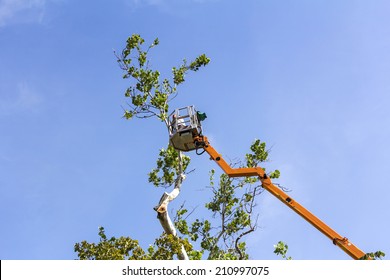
x: 311, y: 78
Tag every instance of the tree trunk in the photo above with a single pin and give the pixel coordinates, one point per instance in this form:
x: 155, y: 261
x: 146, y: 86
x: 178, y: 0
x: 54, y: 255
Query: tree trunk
x: 162, y: 208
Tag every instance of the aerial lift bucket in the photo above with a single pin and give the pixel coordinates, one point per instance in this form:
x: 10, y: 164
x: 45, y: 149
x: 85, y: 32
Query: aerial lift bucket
x: 184, y: 126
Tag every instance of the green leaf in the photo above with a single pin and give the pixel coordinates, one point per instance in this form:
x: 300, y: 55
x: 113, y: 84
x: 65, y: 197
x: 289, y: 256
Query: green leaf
x: 156, y: 42
x: 275, y: 174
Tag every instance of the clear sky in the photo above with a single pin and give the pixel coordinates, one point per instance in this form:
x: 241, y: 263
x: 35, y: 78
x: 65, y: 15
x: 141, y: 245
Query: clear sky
x: 311, y: 78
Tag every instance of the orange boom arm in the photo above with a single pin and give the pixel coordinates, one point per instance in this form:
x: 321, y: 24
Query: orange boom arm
x: 337, y: 239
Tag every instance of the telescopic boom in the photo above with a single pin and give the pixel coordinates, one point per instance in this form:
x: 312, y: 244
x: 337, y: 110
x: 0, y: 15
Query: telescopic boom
x: 185, y: 134
x: 337, y: 239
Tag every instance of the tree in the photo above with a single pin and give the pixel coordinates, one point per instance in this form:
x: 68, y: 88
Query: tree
x: 233, y: 200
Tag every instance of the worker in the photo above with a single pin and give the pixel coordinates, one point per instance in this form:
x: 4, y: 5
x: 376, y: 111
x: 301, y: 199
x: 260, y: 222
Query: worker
x: 177, y: 123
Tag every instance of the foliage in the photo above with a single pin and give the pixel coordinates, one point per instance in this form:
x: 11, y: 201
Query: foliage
x: 168, y: 167
x: 378, y: 255
x: 150, y: 97
x: 124, y: 248
x: 281, y: 250
x: 259, y: 154
x: 110, y: 249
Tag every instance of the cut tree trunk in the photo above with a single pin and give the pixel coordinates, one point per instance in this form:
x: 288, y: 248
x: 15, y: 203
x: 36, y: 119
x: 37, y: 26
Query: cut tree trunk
x: 162, y: 209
